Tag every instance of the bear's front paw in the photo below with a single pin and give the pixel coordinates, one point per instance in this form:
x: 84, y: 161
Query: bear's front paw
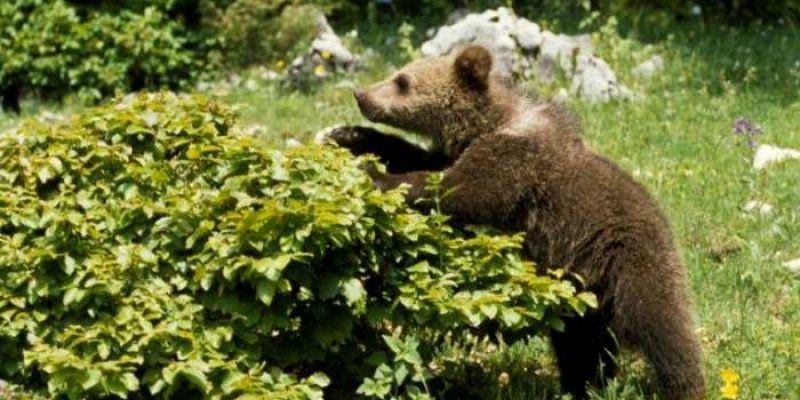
x: 354, y: 138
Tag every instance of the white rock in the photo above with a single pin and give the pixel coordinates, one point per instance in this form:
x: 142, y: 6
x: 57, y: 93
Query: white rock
x: 255, y: 129
x: 760, y: 206
x: 766, y: 154
x: 270, y: 75
x: 204, y: 86
x: 327, y: 54
x: 649, y: 68
x: 331, y: 44
x: 559, y: 49
x: 235, y: 79
x: 514, y: 41
x: 585, y: 44
x: 793, y: 265
x: 49, y: 117
x: 491, y: 29
x: 250, y: 85
x: 594, y: 81
x: 527, y: 34
x: 292, y: 142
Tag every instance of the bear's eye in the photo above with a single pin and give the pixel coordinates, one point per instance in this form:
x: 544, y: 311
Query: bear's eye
x: 403, y: 83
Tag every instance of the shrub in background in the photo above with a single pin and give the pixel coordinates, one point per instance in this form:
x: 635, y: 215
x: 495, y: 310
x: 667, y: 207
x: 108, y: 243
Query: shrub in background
x: 262, y: 31
x: 53, y: 49
x: 149, y: 248
x: 735, y: 12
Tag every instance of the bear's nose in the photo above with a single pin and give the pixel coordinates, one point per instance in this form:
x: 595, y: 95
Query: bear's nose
x: 359, y: 94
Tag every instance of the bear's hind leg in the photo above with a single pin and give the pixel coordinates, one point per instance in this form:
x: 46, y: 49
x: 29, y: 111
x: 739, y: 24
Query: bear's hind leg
x: 661, y: 326
x: 586, y: 352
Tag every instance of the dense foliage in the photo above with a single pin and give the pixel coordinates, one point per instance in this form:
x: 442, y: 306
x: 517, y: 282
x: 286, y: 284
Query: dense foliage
x: 262, y: 31
x: 149, y: 247
x: 51, y: 48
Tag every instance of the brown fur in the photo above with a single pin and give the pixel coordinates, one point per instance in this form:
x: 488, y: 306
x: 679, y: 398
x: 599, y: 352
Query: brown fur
x: 519, y: 164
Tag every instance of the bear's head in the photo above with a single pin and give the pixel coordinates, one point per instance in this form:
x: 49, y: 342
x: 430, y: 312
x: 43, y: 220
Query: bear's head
x: 452, y: 99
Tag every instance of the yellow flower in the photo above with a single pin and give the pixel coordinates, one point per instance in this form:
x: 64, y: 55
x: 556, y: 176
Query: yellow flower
x: 280, y: 65
x: 320, y: 71
x: 730, y: 388
x: 729, y: 392
x: 729, y: 376
x: 325, y: 54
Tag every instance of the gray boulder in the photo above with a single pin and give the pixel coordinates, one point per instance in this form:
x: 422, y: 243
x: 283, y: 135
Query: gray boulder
x: 521, y: 48
x: 594, y: 81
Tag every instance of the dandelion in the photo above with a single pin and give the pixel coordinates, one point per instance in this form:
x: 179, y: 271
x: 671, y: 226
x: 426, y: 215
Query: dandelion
x: 280, y: 65
x: 730, y: 387
x: 325, y: 54
x: 320, y: 71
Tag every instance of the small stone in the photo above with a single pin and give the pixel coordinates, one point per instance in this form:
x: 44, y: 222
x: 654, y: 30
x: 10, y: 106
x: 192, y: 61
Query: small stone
x: 760, y: 206
x: 767, y: 154
x: 251, y: 85
x: 49, y: 117
x: 255, y: 129
x: 649, y: 68
x: 326, y: 55
x: 292, y: 142
x: 793, y: 265
x: 270, y: 75
x: 235, y: 79
x: 203, y: 86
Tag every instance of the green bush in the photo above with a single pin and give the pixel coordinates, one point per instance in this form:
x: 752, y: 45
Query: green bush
x: 150, y: 247
x: 736, y: 12
x: 260, y: 31
x: 51, y: 49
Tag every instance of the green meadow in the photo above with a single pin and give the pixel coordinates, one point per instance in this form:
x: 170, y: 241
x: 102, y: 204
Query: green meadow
x: 679, y: 141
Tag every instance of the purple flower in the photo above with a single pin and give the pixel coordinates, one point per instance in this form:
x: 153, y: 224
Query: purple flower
x: 746, y: 127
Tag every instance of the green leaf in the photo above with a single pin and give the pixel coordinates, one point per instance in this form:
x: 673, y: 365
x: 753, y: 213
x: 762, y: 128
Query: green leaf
x: 266, y: 291
x: 130, y: 381
x: 589, y: 298
x: 319, y: 379
x: 489, y: 310
x: 354, y: 292
x: 197, y: 378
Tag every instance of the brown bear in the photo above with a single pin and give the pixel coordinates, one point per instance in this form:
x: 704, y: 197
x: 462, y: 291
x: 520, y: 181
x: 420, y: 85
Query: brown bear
x: 520, y: 164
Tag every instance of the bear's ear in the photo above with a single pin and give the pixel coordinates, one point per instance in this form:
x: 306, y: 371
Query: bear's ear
x: 473, y: 65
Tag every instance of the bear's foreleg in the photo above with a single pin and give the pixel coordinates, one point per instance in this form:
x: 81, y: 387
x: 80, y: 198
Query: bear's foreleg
x: 398, y: 155
x: 486, y: 185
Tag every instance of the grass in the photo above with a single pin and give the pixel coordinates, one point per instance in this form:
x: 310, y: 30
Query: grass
x: 678, y: 141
